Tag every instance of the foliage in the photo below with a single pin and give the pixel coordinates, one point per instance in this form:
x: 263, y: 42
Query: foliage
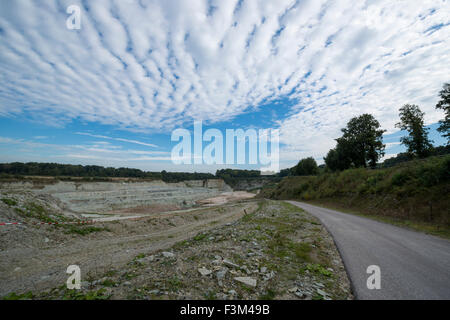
x: 317, y: 269
x: 306, y: 167
x: 337, y: 158
x: 405, y: 156
x: 9, y: 202
x: 14, y: 296
x: 361, y: 145
x: 364, y: 140
x: 233, y: 176
x: 100, y: 294
x: 415, y: 190
x: 82, y: 230
x: 66, y: 170
x: 286, y: 172
x: 411, y: 120
x: 444, y: 104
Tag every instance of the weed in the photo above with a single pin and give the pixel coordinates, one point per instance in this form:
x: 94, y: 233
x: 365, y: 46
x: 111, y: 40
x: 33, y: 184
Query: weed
x: 91, y: 295
x: 200, y: 237
x: 270, y: 294
x: 82, y: 230
x: 14, y: 296
x: 210, y: 295
x: 109, y: 283
x: 174, y: 283
x: 129, y: 276
x: 317, y: 269
x: 9, y: 202
x: 111, y: 273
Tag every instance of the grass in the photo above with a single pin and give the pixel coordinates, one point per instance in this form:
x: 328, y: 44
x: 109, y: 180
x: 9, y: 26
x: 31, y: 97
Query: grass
x: 277, y: 232
x: 33, y: 210
x: 174, y: 284
x: 140, y: 256
x: 129, y: 276
x: 413, y: 194
x: 421, y: 226
x: 14, y: 296
x: 317, y: 297
x: 110, y: 273
x: 100, y: 294
x: 317, y: 269
x: 82, y: 230
x: 109, y: 283
x: 200, y: 237
x: 36, y: 211
x: 9, y: 202
x: 210, y: 295
x: 270, y: 294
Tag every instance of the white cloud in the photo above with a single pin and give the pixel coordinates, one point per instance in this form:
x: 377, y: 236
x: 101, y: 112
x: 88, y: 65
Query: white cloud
x: 152, y: 64
x: 98, y: 150
x: 117, y: 139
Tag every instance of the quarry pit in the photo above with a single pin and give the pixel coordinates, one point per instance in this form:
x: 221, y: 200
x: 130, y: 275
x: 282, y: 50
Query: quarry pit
x: 158, y: 240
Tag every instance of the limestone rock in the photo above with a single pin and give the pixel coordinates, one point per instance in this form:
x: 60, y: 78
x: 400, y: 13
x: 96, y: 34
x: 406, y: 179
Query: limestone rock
x: 247, y: 281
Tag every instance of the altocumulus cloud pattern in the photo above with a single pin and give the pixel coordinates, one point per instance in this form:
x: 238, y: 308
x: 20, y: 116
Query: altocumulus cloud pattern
x: 160, y: 64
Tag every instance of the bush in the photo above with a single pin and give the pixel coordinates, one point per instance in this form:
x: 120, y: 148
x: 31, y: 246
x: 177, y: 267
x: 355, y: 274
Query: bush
x: 400, y: 178
x: 405, y: 190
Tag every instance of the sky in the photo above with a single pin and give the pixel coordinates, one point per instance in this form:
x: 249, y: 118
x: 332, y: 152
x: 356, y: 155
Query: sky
x: 112, y: 92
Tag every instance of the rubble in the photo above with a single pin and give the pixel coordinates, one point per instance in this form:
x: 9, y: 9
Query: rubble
x: 247, y: 281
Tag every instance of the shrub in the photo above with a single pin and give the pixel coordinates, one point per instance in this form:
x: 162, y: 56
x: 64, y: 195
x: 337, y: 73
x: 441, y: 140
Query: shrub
x: 400, y: 178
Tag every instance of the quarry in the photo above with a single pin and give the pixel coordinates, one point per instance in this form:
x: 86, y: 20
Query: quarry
x: 156, y: 240
x: 78, y: 197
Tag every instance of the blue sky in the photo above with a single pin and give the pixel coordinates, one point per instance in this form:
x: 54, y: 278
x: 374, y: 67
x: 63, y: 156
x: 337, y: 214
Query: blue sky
x: 112, y: 92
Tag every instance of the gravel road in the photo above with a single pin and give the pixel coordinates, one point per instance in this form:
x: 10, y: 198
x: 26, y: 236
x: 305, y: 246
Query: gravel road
x: 413, y: 265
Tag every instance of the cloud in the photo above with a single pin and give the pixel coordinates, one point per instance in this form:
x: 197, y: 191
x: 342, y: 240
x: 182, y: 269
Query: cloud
x: 98, y: 150
x: 117, y: 139
x: 156, y: 65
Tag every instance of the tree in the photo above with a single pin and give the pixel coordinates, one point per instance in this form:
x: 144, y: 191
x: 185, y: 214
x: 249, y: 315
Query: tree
x: 411, y: 120
x: 362, y: 141
x: 338, y: 158
x: 444, y: 104
x: 286, y: 172
x: 306, y: 167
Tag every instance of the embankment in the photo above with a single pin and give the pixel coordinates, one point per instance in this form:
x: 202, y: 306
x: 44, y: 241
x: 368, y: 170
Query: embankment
x: 414, y: 191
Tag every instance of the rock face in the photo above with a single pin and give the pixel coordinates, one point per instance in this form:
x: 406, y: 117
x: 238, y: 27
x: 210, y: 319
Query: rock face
x: 82, y: 197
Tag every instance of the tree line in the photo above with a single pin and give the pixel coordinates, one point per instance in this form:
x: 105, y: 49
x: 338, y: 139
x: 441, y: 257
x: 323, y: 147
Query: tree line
x: 361, y: 143
x: 68, y: 170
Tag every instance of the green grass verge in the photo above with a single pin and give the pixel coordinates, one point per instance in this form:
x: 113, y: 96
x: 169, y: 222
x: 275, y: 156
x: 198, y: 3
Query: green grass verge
x: 428, y: 228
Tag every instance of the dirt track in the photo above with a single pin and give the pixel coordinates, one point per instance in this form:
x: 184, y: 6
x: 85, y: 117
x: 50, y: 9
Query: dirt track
x: 39, y: 268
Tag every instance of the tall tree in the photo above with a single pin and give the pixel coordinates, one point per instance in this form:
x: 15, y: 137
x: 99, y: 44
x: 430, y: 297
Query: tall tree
x: 444, y: 104
x: 338, y: 158
x: 411, y: 120
x: 306, y: 167
x: 361, y: 145
x: 362, y: 141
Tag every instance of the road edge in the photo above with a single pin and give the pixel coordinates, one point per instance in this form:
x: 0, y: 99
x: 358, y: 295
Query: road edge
x: 352, y: 285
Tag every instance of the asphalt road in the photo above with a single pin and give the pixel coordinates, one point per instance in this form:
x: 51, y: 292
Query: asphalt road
x: 412, y: 265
